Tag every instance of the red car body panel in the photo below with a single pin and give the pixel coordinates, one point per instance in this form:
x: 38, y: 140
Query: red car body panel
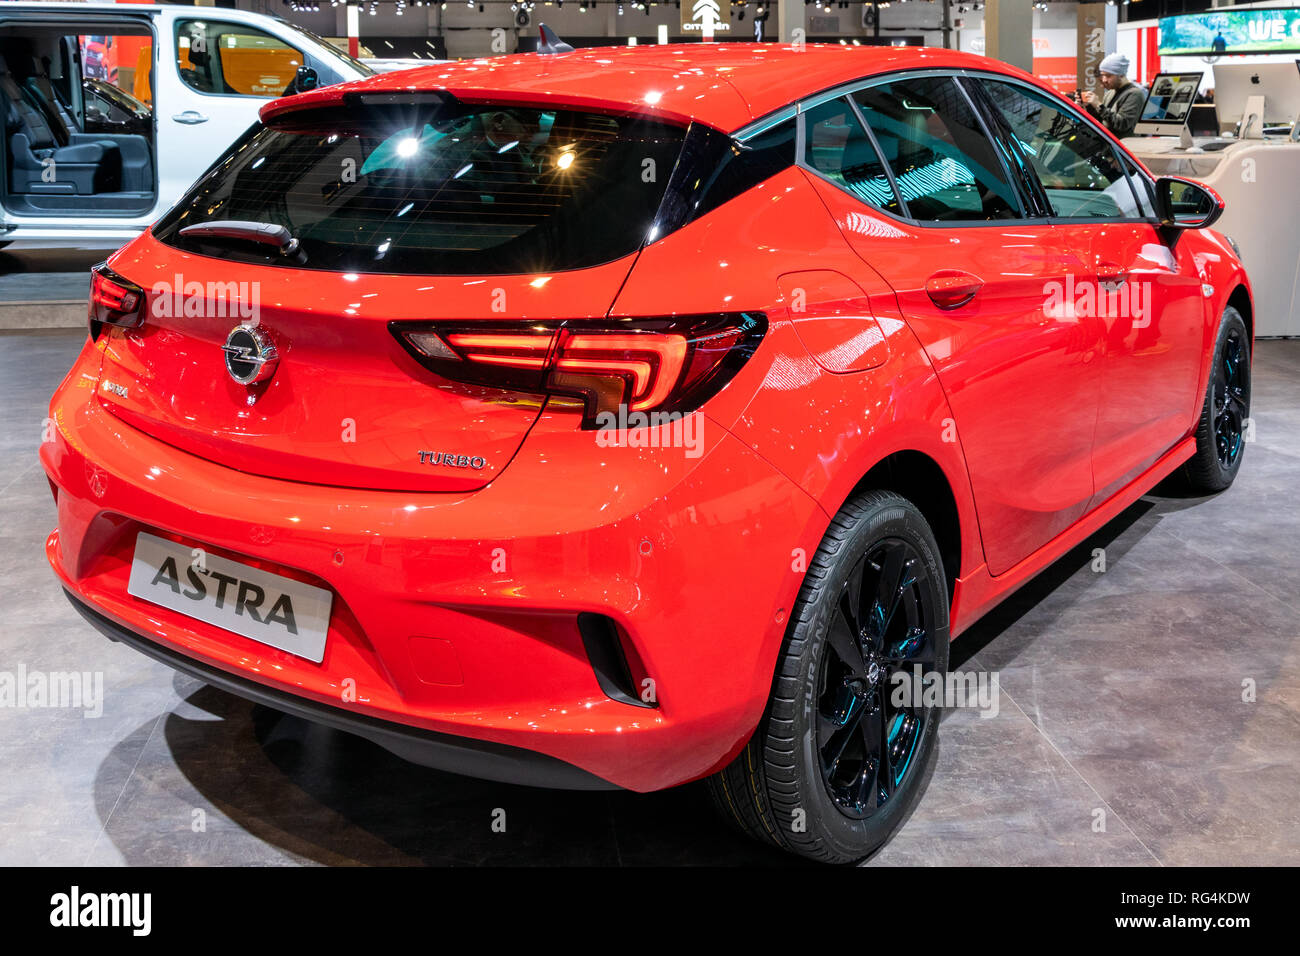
x: 456, y: 595
x: 334, y: 331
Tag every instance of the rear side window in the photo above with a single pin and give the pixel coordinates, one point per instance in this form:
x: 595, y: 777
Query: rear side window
x: 715, y: 168
x: 837, y: 146
x: 944, y: 164
x: 443, y: 189
x: 742, y: 166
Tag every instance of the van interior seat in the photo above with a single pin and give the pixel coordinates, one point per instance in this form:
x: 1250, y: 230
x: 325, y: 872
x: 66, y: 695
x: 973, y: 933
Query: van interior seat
x: 83, y: 165
x: 137, y: 158
x: 42, y: 90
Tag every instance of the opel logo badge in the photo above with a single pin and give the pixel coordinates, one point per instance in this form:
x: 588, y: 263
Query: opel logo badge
x: 250, y: 355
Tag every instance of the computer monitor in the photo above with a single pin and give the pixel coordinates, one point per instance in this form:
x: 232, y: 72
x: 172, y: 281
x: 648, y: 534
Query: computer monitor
x: 1203, y: 120
x: 1169, y: 102
x: 1278, y: 83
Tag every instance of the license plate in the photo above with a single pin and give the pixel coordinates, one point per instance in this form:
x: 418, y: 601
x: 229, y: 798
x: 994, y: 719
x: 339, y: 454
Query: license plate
x: 268, y: 608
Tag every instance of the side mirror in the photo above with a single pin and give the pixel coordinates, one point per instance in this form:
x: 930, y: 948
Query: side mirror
x: 305, y: 79
x: 1184, y: 204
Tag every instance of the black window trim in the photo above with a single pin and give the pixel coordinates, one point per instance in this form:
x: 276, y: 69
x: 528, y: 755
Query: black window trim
x: 801, y: 147
x: 1133, y: 170
x: 993, y: 118
x: 880, y: 155
x: 1014, y: 180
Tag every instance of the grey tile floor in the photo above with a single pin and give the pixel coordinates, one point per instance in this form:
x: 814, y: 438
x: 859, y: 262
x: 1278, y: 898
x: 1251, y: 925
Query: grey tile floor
x: 1121, y: 734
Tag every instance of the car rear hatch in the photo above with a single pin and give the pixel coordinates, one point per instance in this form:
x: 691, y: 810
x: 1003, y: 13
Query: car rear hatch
x: 324, y: 236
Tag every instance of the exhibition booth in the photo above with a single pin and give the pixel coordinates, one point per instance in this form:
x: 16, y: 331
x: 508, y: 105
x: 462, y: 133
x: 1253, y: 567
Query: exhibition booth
x: 1243, y: 145
x: 1222, y: 107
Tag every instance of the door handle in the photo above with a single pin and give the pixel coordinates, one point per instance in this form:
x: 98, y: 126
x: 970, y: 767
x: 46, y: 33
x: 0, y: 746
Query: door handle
x: 951, y: 289
x: 190, y: 117
x: 1108, y: 273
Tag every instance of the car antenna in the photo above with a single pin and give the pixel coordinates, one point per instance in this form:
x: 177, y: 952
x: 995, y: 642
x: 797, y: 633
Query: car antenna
x: 548, y: 42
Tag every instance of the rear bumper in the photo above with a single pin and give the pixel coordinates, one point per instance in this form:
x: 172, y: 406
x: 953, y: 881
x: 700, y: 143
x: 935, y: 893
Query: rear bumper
x: 440, y: 751
x: 455, y: 615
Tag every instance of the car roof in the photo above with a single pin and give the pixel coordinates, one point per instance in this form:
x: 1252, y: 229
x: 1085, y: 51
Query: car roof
x: 724, y: 85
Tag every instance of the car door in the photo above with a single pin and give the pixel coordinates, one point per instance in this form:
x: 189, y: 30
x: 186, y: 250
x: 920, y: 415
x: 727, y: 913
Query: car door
x: 972, y: 265
x: 216, y: 74
x: 1153, y: 352
x: 1149, y: 305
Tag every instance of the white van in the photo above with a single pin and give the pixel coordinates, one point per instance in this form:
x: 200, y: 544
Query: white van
x: 113, y: 110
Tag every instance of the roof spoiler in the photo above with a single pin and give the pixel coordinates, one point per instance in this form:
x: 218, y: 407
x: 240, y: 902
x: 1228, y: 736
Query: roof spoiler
x: 327, y: 97
x: 548, y: 42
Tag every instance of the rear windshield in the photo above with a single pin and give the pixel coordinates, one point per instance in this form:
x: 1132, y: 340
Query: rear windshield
x: 444, y: 189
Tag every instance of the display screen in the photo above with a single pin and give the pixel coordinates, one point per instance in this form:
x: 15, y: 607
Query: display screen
x: 1231, y: 31
x: 1171, y: 98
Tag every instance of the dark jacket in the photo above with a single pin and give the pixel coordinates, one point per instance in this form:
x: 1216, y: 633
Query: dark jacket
x: 1120, y: 112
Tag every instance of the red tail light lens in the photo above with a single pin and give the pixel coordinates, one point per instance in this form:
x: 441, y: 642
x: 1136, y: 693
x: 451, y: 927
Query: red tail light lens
x: 646, y: 365
x: 113, y: 301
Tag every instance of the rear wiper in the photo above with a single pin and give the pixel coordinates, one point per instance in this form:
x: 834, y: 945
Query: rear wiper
x: 264, y: 233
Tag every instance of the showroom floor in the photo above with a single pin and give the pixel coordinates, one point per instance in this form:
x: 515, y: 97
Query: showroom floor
x: 1121, y: 734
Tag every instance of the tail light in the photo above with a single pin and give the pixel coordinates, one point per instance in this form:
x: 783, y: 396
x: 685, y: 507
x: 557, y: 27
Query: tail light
x: 645, y: 365
x: 113, y: 301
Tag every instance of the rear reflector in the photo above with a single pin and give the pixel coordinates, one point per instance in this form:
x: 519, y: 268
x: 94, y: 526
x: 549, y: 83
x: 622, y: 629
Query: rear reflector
x: 113, y: 301
x: 646, y: 365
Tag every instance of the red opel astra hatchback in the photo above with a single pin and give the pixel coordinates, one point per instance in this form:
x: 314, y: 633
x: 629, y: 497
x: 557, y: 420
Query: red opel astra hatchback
x: 627, y: 417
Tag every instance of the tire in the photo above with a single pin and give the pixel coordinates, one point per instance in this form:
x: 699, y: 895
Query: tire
x: 824, y: 699
x: 1221, y: 429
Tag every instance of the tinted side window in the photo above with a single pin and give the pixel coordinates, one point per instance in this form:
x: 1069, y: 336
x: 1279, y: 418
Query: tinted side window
x: 837, y: 146
x: 231, y: 59
x: 944, y: 164
x: 1077, y: 166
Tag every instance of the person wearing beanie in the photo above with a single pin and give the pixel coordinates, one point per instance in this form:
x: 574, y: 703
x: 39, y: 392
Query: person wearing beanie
x: 1121, y: 104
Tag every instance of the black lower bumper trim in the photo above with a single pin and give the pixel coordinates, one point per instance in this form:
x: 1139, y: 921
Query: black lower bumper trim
x: 462, y: 755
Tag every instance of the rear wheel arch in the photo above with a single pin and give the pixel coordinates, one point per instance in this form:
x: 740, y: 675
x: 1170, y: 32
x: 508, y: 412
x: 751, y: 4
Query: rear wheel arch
x: 921, y: 480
